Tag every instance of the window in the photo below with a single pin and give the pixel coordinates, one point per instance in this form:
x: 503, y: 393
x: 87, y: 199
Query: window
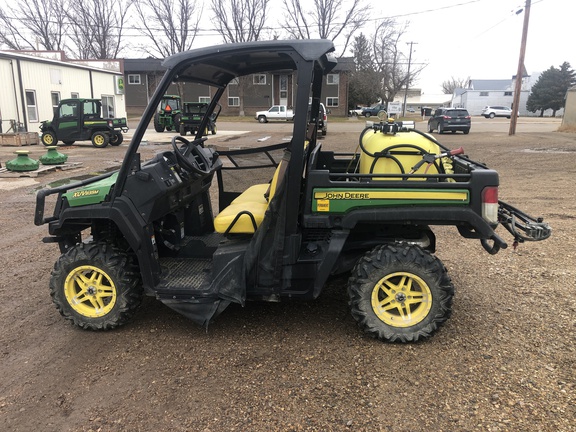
x: 134, y: 79
x: 91, y: 109
x: 204, y: 99
x: 332, y: 101
x: 55, y: 99
x: 107, y: 106
x: 482, y: 93
x: 55, y: 76
x: 507, y: 93
x: 259, y: 79
x: 31, y: 107
x: 332, y: 79
x: 74, y: 95
x: 233, y: 101
x: 69, y: 109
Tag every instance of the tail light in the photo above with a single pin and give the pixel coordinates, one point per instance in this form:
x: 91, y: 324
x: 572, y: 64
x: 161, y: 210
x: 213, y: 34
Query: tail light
x: 490, y: 204
x: 324, y: 116
x: 446, y: 117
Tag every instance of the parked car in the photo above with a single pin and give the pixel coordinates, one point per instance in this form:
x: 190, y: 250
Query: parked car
x: 275, y: 112
x: 497, y: 111
x: 323, y: 119
x: 450, y: 119
x: 373, y: 110
x: 355, y: 111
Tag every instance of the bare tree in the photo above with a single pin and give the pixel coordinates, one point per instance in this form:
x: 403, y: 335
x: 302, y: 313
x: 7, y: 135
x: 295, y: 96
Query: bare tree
x: 337, y: 20
x: 33, y: 24
x: 452, y: 84
x: 240, y: 21
x: 170, y: 25
x: 97, y: 27
x: 390, y: 62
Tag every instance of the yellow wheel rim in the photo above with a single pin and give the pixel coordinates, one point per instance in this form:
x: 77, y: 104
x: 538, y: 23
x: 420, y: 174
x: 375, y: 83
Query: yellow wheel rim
x: 48, y: 139
x: 99, y: 139
x: 90, y: 291
x: 401, y: 299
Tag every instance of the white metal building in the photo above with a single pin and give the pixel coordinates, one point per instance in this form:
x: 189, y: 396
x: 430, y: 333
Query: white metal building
x: 32, y: 85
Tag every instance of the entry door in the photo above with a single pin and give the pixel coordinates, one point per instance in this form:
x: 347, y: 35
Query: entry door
x: 283, y: 89
x: 68, y: 127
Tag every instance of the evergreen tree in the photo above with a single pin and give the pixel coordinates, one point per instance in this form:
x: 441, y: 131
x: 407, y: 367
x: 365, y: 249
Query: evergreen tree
x: 550, y: 89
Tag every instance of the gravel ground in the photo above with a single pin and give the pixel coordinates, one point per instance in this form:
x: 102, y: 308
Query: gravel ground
x: 503, y: 362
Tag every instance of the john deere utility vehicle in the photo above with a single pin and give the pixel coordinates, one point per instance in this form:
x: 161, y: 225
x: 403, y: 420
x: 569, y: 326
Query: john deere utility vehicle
x: 169, y: 108
x: 289, y: 215
x: 193, y: 114
x: 81, y: 120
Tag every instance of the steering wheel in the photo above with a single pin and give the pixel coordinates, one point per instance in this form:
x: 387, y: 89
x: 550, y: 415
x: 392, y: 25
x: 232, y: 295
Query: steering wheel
x: 191, y: 149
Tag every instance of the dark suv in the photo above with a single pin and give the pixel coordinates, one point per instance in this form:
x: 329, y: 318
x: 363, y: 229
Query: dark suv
x: 449, y: 119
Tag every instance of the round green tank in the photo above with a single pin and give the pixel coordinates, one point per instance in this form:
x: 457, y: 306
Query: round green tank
x: 53, y: 157
x: 23, y: 162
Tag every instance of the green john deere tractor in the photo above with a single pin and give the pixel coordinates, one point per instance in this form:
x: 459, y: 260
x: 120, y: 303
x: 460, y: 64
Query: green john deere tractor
x: 165, y: 119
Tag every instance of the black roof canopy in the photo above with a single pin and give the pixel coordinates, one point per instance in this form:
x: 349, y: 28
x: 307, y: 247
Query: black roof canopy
x: 218, y: 65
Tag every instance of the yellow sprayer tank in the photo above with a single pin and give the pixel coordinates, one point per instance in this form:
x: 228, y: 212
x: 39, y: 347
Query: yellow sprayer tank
x: 385, y: 153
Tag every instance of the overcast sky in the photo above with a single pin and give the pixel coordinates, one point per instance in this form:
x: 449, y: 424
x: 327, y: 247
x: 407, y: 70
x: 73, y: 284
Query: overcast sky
x: 481, y: 38
x: 456, y: 38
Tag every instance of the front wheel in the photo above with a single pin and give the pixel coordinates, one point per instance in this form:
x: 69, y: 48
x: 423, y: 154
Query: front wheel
x: 262, y: 119
x: 492, y: 115
x: 95, y: 286
x: 440, y: 128
x: 400, y: 293
x: 214, y: 130
x: 430, y: 128
x: 100, y: 139
x: 49, y: 138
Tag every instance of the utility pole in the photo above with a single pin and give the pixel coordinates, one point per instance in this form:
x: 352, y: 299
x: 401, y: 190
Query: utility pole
x: 518, y: 86
x: 408, y: 78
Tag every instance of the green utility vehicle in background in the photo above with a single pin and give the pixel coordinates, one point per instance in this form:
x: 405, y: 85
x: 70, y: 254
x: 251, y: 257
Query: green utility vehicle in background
x: 168, y: 109
x: 290, y: 215
x: 192, y: 115
x: 81, y: 120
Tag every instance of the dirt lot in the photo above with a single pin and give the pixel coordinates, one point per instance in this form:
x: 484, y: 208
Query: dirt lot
x: 503, y: 362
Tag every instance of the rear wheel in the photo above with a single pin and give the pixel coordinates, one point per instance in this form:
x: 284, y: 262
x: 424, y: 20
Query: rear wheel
x: 49, y: 138
x: 158, y: 126
x: 214, y: 130
x: 466, y: 131
x: 182, y: 130
x: 400, y: 293
x: 95, y: 286
x: 100, y: 139
x: 492, y: 115
x: 116, y: 139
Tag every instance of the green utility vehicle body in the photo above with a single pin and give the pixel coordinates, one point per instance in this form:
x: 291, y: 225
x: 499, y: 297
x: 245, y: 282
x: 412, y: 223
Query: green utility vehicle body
x: 169, y: 109
x: 288, y: 216
x: 192, y: 115
x: 81, y: 120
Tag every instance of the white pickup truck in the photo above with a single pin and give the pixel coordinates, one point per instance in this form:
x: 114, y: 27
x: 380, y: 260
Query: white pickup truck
x: 275, y: 112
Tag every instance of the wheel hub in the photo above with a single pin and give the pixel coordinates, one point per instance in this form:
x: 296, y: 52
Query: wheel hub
x: 90, y: 291
x: 401, y: 299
